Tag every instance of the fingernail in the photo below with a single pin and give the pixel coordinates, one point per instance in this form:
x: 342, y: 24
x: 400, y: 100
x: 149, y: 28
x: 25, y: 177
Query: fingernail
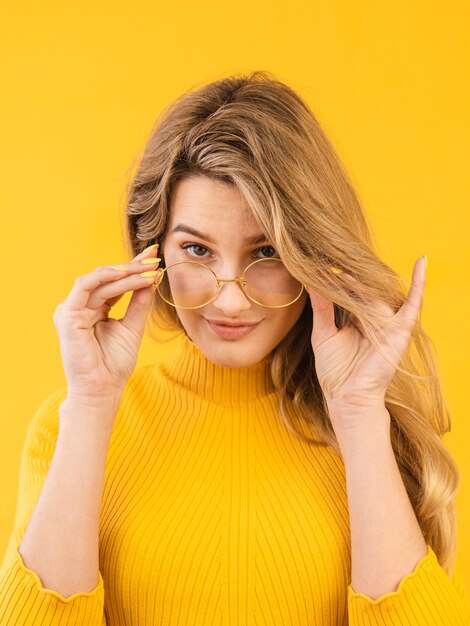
x: 336, y: 270
x: 426, y: 262
x: 149, y: 274
x: 155, y: 245
x: 150, y: 260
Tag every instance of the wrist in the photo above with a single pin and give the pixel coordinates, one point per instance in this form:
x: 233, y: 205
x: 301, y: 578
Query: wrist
x: 106, y: 400
x: 358, y: 431
x: 81, y: 413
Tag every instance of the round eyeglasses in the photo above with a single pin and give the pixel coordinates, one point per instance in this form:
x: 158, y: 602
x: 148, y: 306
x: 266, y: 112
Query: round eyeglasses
x: 191, y: 285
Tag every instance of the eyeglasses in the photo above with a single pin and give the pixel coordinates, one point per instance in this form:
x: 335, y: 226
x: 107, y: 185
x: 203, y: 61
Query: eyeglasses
x: 191, y: 285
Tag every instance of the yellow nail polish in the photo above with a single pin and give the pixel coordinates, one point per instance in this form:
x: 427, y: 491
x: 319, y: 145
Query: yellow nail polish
x: 155, y: 245
x: 149, y: 274
x: 151, y: 260
x: 336, y: 270
x: 121, y: 268
x: 426, y: 262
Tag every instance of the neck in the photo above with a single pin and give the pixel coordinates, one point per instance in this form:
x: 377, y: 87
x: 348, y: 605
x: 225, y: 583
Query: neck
x: 189, y: 367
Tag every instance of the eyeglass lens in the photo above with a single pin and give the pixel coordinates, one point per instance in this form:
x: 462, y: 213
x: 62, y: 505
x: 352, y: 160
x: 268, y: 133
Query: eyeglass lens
x: 189, y: 285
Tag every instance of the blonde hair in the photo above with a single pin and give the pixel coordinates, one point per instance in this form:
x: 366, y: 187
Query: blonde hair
x: 256, y: 132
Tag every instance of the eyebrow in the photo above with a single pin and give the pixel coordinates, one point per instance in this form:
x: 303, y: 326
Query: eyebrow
x: 182, y: 228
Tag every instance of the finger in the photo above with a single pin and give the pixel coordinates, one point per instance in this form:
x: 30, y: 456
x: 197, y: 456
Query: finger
x: 323, y: 318
x: 381, y: 308
x: 135, y: 318
x: 113, y: 300
x: 409, y: 311
x: 94, y: 289
x: 149, y: 251
x: 111, y: 293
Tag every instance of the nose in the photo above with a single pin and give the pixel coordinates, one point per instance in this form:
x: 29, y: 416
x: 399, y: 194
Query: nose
x: 231, y: 299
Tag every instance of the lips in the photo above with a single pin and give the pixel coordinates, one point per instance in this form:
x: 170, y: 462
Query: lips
x: 232, y: 324
x: 233, y: 331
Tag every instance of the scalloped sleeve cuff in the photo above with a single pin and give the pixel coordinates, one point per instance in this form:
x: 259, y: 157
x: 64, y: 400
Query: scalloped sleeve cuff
x: 24, y: 601
x: 425, y: 596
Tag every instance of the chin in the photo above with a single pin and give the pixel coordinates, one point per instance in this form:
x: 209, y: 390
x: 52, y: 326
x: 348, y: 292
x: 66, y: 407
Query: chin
x: 234, y: 353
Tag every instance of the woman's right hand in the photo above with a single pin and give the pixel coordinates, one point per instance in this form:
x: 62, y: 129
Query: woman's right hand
x: 99, y: 353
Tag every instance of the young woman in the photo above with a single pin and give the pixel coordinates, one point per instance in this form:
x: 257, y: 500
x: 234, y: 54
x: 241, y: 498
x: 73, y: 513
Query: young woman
x: 285, y: 465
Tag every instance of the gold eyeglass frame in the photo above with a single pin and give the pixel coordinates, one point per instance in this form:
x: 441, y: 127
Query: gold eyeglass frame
x: 220, y: 282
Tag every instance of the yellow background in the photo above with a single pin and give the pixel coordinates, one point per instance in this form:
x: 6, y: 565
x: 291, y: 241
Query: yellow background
x: 81, y: 85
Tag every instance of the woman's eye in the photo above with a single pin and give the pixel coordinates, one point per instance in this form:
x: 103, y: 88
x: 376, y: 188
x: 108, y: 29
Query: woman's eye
x: 193, y: 245
x: 195, y: 248
x: 267, y: 248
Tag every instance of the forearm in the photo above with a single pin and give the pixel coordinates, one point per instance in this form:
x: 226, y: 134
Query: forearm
x: 386, y: 539
x: 61, y: 543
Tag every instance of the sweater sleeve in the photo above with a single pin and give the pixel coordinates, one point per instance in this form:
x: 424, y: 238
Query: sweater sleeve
x: 23, y: 598
x: 425, y: 596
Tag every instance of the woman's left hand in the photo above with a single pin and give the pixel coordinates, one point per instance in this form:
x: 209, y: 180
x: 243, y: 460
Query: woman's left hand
x: 352, y: 373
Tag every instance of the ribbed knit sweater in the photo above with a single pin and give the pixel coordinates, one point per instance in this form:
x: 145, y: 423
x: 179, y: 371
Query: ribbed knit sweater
x: 213, y: 513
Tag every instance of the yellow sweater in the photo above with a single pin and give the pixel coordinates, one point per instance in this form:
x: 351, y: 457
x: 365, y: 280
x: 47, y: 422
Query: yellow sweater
x: 213, y: 513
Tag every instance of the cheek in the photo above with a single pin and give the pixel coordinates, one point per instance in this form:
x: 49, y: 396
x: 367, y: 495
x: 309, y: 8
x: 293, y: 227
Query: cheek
x: 188, y: 318
x: 294, y: 312
x: 296, y: 309
x: 282, y: 320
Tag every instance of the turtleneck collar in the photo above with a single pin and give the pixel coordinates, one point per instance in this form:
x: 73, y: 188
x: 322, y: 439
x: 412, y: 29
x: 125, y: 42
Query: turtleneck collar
x: 188, y: 366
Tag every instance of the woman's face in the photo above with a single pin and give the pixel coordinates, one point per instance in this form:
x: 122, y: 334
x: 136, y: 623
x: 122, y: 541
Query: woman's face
x: 219, y: 213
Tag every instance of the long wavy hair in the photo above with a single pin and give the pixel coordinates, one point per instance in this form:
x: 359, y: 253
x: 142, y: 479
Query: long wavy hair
x: 257, y: 133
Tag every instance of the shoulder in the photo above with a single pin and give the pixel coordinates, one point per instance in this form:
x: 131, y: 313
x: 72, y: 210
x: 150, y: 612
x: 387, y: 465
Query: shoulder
x: 145, y: 379
x: 143, y: 392
x: 44, y: 424
x: 45, y: 420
